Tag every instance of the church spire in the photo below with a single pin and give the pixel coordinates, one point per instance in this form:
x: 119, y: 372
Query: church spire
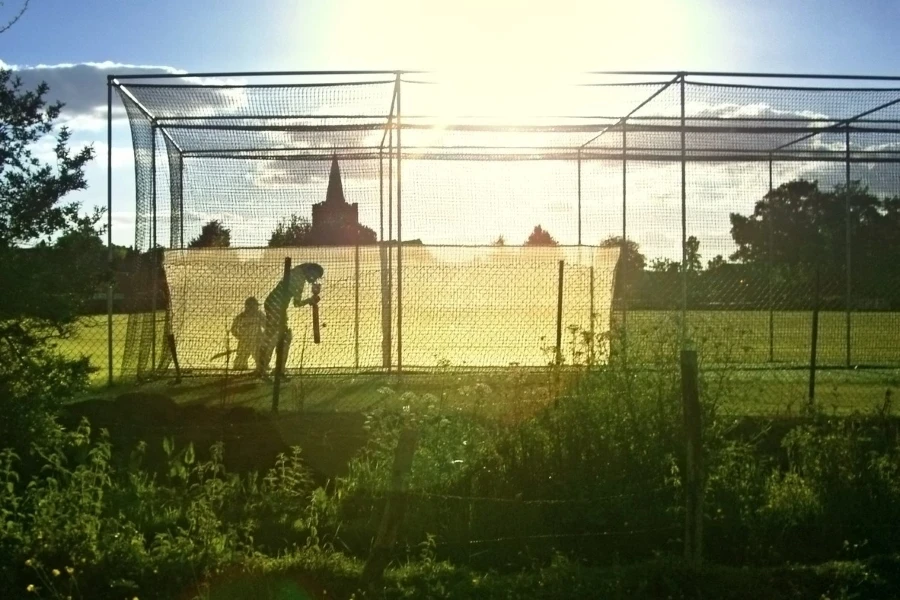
x: 335, y: 191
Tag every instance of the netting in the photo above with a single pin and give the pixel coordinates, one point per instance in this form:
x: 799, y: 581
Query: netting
x: 473, y: 307
x: 698, y: 175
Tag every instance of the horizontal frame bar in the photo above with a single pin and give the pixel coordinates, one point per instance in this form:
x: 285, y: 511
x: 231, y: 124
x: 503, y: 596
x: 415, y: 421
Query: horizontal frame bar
x: 572, y: 155
x: 327, y: 151
x: 211, y: 75
x: 217, y: 86
x: 401, y: 72
x: 632, y: 129
x: 461, y: 118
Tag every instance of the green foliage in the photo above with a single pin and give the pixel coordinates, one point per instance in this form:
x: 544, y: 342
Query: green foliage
x: 692, y: 256
x: 34, y: 381
x: 540, y: 237
x: 799, y: 225
x: 129, y: 531
x: 562, y: 490
x: 212, y: 235
x: 49, y: 262
x: 30, y: 191
x: 630, y: 266
x: 290, y: 233
x: 299, y: 231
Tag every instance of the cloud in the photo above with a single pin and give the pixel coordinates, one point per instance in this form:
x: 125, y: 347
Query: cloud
x: 82, y: 88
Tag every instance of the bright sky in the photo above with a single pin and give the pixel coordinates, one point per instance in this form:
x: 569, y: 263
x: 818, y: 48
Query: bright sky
x: 233, y: 35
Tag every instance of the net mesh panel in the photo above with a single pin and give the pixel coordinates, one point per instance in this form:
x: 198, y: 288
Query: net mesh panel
x: 176, y: 195
x: 136, y: 359
x: 467, y: 307
x: 251, y: 196
x: 601, y: 158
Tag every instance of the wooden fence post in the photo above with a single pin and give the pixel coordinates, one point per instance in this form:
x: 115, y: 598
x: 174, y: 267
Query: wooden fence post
x: 559, y: 313
x: 814, y: 342
x: 394, y: 509
x: 693, y: 478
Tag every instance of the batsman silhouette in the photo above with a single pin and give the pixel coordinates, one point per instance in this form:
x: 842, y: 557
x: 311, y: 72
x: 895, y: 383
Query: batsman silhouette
x: 276, y: 307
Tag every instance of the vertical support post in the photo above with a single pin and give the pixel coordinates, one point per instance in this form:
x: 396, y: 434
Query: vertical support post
x: 390, y: 251
x: 385, y: 309
x: 693, y: 485
x: 356, y: 304
x: 814, y: 342
x: 579, y: 196
x: 559, y: 313
x: 109, y: 249
x: 848, y: 227
x: 592, y: 319
x: 154, y: 260
x: 181, y: 200
x: 382, y: 255
x: 624, y: 273
x: 380, y: 195
x: 282, y: 335
x: 770, y: 299
x: 399, y: 233
x: 683, y: 222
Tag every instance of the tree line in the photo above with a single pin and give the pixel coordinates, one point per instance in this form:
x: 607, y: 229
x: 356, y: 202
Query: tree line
x: 796, y: 235
x: 298, y: 231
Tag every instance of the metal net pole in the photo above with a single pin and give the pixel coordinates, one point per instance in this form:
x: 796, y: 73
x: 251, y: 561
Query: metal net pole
x: 683, y: 223
x: 154, y: 262
x: 109, y: 257
x: 390, y: 248
x: 769, y: 299
x: 399, y: 235
x: 181, y: 199
x: 381, y: 194
x: 579, y: 196
x: 848, y: 240
x: 624, y: 263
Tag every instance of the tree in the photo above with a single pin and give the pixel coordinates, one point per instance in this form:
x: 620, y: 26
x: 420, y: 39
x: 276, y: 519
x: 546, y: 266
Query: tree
x: 291, y: 233
x: 692, y: 255
x: 344, y: 234
x: 540, y: 237
x: 716, y: 264
x: 500, y: 241
x: 212, y: 235
x: 16, y: 17
x: 798, y: 228
x: 799, y: 224
x: 665, y: 265
x: 630, y: 253
x: 47, y: 269
x: 631, y: 263
x: 298, y: 231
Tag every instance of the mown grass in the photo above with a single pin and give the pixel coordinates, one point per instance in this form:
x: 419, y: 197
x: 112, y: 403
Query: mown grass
x: 735, y: 340
x: 745, y: 333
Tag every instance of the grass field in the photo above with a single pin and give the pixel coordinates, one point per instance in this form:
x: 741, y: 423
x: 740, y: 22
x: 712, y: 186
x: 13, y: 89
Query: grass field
x: 90, y: 340
x: 742, y: 337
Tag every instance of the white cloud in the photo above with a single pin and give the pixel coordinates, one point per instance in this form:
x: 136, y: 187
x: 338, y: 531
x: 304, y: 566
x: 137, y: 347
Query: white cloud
x: 82, y: 87
x: 122, y: 156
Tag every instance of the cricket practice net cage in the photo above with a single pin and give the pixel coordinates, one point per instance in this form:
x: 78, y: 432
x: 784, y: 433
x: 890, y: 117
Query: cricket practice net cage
x: 417, y: 194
